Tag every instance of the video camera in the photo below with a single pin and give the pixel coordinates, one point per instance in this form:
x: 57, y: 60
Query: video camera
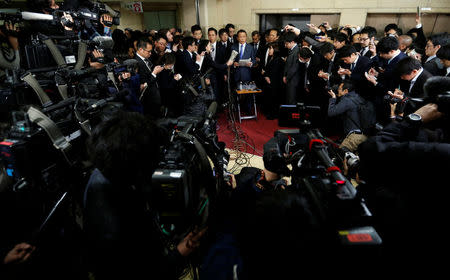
x: 316, y: 175
x: 186, y: 184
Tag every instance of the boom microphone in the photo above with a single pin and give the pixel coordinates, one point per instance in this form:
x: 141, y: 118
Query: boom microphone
x: 103, y: 42
x: 210, y: 114
x: 35, y: 16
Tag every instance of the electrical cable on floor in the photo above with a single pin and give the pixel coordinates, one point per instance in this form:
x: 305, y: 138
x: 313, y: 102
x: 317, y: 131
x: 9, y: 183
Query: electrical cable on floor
x: 243, y: 148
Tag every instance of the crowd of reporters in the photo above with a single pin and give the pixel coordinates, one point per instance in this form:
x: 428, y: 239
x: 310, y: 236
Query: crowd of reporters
x: 339, y: 69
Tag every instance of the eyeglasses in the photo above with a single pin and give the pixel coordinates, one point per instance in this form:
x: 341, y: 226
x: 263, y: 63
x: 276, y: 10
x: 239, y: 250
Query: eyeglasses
x: 364, y: 39
x: 148, y: 50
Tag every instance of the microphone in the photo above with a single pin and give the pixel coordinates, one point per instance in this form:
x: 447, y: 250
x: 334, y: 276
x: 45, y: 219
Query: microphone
x: 35, y: 16
x: 233, y: 55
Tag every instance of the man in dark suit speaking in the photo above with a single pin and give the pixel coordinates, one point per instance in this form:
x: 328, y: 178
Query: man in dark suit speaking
x: 245, y: 51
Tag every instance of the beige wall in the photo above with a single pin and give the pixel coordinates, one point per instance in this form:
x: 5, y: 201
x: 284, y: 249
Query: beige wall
x: 244, y: 13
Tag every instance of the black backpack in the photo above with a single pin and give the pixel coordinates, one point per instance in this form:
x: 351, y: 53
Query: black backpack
x: 367, y: 114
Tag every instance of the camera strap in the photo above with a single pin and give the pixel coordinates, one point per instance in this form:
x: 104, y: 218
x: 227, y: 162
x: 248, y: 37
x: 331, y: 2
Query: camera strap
x: 31, y: 80
x: 55, y: 52
x: 63, y: 91
x: 112, y: 79
x: 82, y: 48
x: 54, y: 133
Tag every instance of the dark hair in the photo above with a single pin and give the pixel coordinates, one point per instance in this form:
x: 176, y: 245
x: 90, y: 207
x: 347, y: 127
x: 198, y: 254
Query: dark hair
x: 305, y: 53
x: 407, y: 65
x: 327, y: 47
x: 241, y: 31
x: 387, y: 44
x: 229, y: 25
x: 348, y: 85
x: 347, y: 51
x: 187, y: 41
x: 195, y: 27
x: 163, y: 33
x: 177, y: 39
x: 256, y: 32
x: 289, y: 37
x: 202, y: 46
x: 212, y: 29
x: 142, y: 43
x: 341, y: 37
x: 221, y: 31
x: 160, y: 36
x: 444, y: 52
x: 440, y: 39
x: 276, y: 30
x: 168, y: 58
x: 276, y: 48
x: 369, y: 30
x: 390, y: 26
x: 125, y: 148
x: 346, y: 29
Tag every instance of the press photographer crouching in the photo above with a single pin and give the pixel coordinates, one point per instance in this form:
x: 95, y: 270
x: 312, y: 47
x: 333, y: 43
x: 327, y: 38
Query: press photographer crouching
x: 124, y: 241
x: 405, y: 169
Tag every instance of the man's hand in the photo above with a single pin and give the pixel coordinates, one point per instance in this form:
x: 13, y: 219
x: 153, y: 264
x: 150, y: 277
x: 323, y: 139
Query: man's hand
x: 418, y: 19
x: 285, y: 80
x: 12, y: 33
x: 397, y: 94
x: 429, y: 112
x: 267, y: 80
x: 332, y: 94
x: 229, y: 63
x: 323, y: 75
x: 19, y: 254
x: 236, y: 64
x: 191, y: 242
x: 177, y: 77
x: 371, y: 78
x: 106, y: 20
x: 343, y: 71
x: 157, y: 69
x: 292, y: 29
x: 249, y: 64
x: 68, y: 18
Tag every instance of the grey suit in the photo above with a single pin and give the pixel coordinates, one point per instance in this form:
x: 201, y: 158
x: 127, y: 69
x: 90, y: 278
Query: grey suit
x: 291, y: 70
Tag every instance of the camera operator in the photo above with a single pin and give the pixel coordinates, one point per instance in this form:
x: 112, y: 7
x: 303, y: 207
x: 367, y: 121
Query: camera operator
x: 124, y: 241
x: 347, y: 109
x: 64, y: 27
x: 9, y: 55
x: 405, y: 168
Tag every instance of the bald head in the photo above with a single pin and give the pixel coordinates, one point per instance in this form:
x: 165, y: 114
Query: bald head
x: 404, y: 42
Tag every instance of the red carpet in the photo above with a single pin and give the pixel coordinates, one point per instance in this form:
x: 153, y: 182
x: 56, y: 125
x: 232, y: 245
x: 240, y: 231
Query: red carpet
x: 254, y: 133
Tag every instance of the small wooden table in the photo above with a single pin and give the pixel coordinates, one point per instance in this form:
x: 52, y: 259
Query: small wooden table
x: 244, y: 92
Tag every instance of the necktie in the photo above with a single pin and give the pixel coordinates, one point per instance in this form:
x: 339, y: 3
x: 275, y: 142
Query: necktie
x: 352, y: 67
x: 213, y: 53
x: 241, y: 52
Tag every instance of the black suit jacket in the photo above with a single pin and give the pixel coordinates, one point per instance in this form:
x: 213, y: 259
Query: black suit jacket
x: 187, y: 66
x: 150, y: 97
x: 222, y: 53
x: 389, y: 80
x: 274, y: 70
x: 291, y: 67
x: 358, y: 76
x: 435, y: 67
